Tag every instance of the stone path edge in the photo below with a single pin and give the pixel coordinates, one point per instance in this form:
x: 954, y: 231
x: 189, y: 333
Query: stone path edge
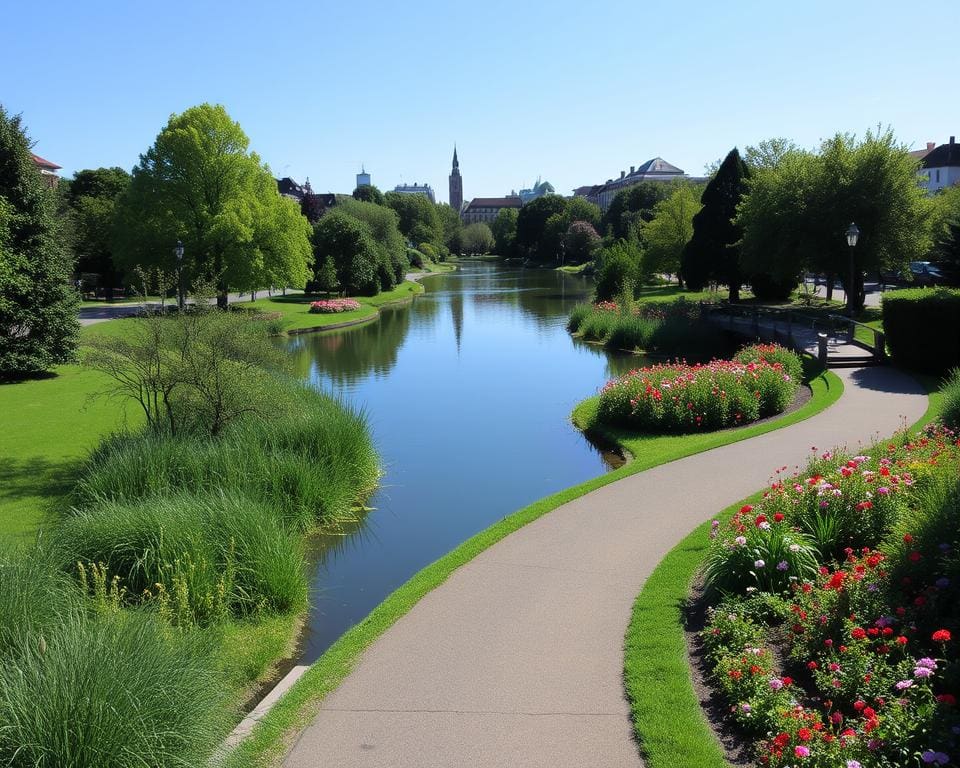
x: 277, y: 726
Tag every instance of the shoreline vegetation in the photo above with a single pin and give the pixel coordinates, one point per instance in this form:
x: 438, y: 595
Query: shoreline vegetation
x: 267, y: 744
x: 176, y: 536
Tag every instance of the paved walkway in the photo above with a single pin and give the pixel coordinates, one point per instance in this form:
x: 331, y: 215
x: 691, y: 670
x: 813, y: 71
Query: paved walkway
x: 517, y: 659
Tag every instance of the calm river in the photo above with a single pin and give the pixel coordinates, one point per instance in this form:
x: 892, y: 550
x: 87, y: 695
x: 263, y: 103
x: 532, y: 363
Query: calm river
x: 468, y: 390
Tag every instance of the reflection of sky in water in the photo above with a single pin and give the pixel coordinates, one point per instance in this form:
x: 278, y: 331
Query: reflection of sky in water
x: 469, y: 392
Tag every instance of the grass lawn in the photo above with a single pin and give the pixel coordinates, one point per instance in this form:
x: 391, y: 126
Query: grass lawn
x: 435, y: 268
x: 270, y: 740
x: 295, y: 308
x: 667, y: 717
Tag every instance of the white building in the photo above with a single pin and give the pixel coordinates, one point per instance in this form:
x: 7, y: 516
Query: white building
x: 656, y: 169
x: 941, y: 166
x: 363, y: 178
x: 415, y: 189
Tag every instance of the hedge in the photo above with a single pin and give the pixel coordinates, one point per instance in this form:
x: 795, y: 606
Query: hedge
x: 922, y: 326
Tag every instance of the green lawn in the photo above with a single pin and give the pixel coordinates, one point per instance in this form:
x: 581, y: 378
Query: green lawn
x: 295, y: 307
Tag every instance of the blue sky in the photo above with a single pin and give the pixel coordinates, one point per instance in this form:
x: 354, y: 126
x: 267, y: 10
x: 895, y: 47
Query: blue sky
x: 570, y: 91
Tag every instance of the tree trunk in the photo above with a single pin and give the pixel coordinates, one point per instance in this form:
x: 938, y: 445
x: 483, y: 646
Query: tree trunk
x: 222, y: 299
x: 734, y: 293
x: 830, y: 278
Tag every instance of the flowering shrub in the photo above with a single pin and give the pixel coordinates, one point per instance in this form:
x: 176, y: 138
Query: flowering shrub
x: 330, y: 306
x: 772, y: 353
x: 689, y: 398
x: 870, y: 670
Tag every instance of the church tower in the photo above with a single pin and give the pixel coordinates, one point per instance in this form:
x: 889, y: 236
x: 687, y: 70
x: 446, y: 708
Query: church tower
x: 456, y: 184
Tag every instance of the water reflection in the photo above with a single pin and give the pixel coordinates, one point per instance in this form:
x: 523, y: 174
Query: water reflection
x: 469, y: 391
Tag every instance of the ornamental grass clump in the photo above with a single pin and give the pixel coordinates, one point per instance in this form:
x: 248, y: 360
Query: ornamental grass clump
x: 867, y: 638
x: 693, y: 398
x: 333, y: 306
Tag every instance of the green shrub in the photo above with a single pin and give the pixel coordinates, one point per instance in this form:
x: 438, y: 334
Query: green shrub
x: 632, y: 332
x: 313, y: 462
x: 950, y: 403
x: 688, y: 337
x: 598, y: 325
x: 774, y: 354
x: 770, y: 288
x: 204, y: 557
x: 921, y: 328
x: 578, y: 314
x: 109, y: 690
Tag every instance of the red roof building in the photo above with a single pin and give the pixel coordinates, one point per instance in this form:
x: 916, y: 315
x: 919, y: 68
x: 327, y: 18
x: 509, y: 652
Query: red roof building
x: 48, y: 170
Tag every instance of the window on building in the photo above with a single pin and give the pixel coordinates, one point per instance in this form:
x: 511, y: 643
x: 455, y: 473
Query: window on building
x: 938, y: 175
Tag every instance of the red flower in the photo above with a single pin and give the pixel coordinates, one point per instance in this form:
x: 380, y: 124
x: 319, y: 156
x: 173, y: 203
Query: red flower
x: 778, y: 517
x: 915, y: 556
x: 804, y: 734
x: 746, y: 509
x: 811, y: 665
x: 901, y: 640
x: 941, y: 636
x: 858, y: 633
x: 947, y: 698
x: 907, y: 538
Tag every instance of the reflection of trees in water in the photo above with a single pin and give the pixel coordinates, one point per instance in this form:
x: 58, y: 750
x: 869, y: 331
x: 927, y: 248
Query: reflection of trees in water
x: 456, y: 316
x: 351, y: 353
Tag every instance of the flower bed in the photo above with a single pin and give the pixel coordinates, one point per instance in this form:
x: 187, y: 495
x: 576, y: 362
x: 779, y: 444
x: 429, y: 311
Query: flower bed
x: 834, y: 642
x: 691, y: 398
x: 331, y: 306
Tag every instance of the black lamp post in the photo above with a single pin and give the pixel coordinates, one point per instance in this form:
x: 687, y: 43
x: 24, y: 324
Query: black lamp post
x: 853, y: 233
x: 179, y: 253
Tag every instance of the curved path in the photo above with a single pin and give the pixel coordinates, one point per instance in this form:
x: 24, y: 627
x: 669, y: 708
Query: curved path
x: 517, y: 659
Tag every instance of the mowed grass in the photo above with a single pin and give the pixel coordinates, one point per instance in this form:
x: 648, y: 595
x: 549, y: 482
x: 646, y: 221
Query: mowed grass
x: 295, y: 308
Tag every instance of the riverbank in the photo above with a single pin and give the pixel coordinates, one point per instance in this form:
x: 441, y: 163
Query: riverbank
x: 269, y: 742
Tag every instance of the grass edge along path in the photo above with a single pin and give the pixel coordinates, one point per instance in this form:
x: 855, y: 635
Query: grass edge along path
x: 271, y: 738
x: 669, y: 723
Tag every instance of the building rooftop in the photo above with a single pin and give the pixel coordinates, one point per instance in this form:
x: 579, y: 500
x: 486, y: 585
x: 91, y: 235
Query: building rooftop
x: 41, y: 163
x: 945, y: 156
x: 495, y: 202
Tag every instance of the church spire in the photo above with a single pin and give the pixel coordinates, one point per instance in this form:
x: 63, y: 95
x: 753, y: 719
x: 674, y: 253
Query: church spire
x: 456, y: 163
x: 456, y: 184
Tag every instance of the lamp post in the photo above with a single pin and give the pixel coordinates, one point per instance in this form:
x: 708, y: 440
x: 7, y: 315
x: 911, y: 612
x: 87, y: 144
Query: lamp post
x: 853, y: 233
x: 179, y: 253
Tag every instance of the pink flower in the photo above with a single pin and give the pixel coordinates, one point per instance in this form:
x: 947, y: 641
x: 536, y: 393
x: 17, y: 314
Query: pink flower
x: 801, y: 751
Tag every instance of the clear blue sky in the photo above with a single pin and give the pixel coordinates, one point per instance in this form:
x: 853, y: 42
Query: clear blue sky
x: 571, y: 91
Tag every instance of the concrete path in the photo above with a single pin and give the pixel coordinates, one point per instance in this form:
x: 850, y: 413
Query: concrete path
x: 517, y: 660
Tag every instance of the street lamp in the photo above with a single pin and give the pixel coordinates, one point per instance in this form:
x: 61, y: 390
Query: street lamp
x: 853, y: 233
x: 179, y: 253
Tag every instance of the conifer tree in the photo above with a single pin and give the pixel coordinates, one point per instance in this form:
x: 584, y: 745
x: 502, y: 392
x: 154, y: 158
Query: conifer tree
x: 38, y: 305
x: 714, y: 251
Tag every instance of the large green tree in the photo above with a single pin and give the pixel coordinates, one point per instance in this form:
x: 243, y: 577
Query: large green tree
x: 668, y: 232
x: 504, y: 230
x: 798, y: 209
x: 714, y: 249
x: 368, y: 194
x: 92, y: 199
x: 38, y: 306
x: 632, y: 206
x: 199, y: 183
x: 419, y: 219
x: 451, y: 226
x: 347, y: 241
x: 534, y: 239
x: 477, y: 239
x: 381, y: 222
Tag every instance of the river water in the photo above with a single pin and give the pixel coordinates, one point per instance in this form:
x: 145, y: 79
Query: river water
x: 468, y: 390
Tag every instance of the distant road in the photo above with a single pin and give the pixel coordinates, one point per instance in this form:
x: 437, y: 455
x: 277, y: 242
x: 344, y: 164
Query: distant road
x: 91, y: 315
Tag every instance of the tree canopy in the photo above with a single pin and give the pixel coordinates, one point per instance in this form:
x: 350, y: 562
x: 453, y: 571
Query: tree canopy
x: 799, y: 207
x: 535, y: 239
x: 477, y: 239
x: 666, y: 235
x: 199, y: 183
x: 632, y: 206
x: 368, y: 194
x: 38, y: 306
x: 504, y: 230
x: 419, y: 220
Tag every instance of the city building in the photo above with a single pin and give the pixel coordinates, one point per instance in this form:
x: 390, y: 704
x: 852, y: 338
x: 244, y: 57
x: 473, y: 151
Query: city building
x: 941, y: 166
x: 289, y: 188
x: 539, y: 189
x: 919, y: 154
x: 363, y: 178
x: 456, y: 184
x: 485, y: 209
x: 416, y: 189
x: 656, y: 169
x: 48, y: 170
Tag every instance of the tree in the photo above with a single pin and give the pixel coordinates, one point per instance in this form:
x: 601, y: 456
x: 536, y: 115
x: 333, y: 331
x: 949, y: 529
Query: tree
x: 312, y: 206
x: 532, y: 228
x: 580, y: 242
x: 713, y: 250
x: 419, y: 220
x: 92, y: 198
x: 670, y: 229
x: 381, y: 222
x: 797, y: 212
x: 451, y: 226
x: 368, y: 194
x: 355, y: 254
x: 199, y: 183
x: 619, y: 270
x: 581, y: 209
x: 38, y: 307
x: 477, y: 239
x: 945, y: 227
x: 632, y: 206
x: 504, y: 230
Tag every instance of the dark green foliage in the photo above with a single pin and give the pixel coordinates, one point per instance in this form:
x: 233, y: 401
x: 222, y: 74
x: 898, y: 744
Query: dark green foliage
x: 38, y: 321
x: 504, y: 230
x: 580, y: 242
x: 531, y: 239
x: 355, y: 256
x: 632, y: 206
x: 921, y: 328
x: 632, y: 332
x: 368, y: 194
x: 325, y: 276
x: 714, y: 251
x: 769, y: 288
x: 419, y: 220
